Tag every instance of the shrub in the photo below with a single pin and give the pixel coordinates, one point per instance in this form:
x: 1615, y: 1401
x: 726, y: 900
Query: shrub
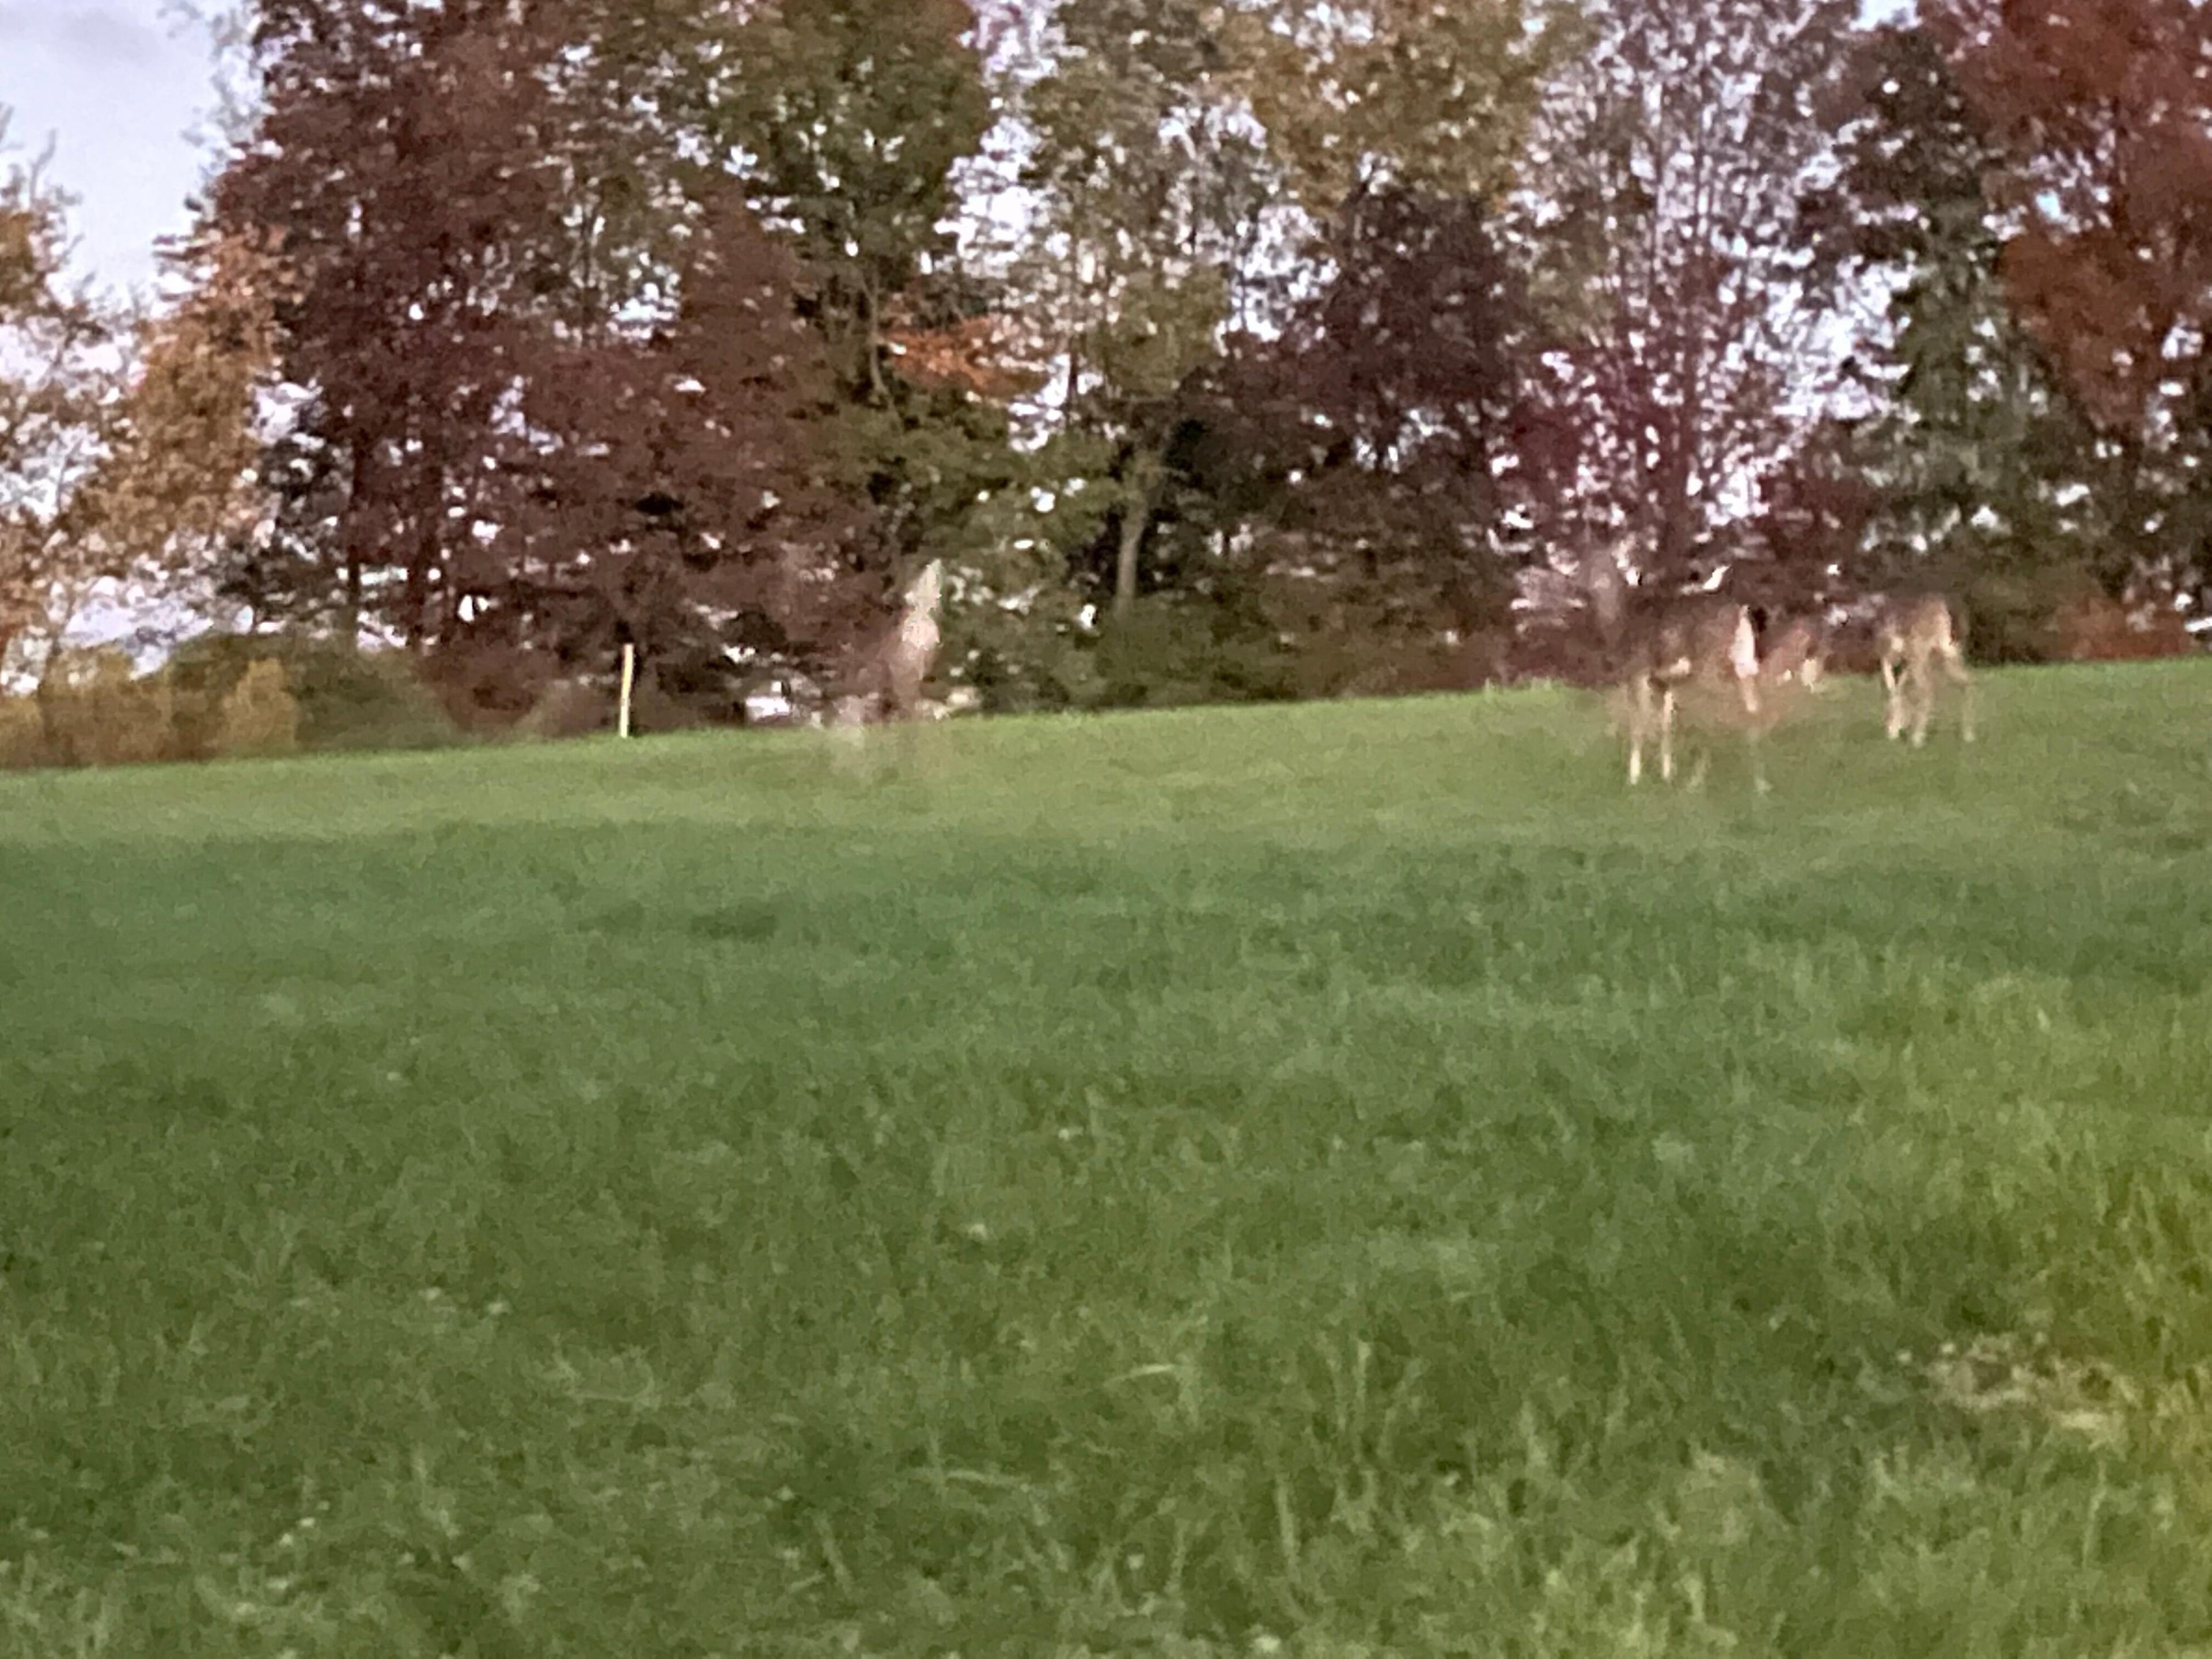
x: 2012, y: 615
x: 202, y: 673
x: 567, y: 708
x: 96, y: 711
x: 1168, y: 653
x: 1025, y: 672
x: 260, y: 716
x: 22, y: 734
x: 487, y: 687
x: 653, y: 708
x: 346, y: 699
x: 366, y: 700
x: 1397, y: 663
x: 2097, y: 628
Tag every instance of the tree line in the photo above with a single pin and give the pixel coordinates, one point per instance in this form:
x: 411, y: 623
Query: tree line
x: 1218, y: 348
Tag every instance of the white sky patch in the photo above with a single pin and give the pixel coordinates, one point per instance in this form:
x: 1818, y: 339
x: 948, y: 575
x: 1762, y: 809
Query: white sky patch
x: 115, y: 86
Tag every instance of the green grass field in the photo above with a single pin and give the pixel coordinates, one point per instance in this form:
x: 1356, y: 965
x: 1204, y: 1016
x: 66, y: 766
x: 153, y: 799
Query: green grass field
x: 1344, y: 1180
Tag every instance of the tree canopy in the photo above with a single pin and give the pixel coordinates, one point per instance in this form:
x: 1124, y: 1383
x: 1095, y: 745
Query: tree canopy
x: 510, y: 332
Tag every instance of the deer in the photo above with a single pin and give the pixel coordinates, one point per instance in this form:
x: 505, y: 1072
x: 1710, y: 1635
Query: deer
x: 887, y: 684
x: 1912, y: 637
x: 1795, y: 653
x: 1664, y: 646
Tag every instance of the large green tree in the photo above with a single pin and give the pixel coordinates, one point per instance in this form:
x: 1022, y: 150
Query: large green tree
x: 1401, y: 128
x: 1194, y: 173
x: 1432, y: 96
x: 1985, y: 474
x: 1368, y: 443
x: 850, y: 120
x: 1146, y: 189
x: 854, y: 126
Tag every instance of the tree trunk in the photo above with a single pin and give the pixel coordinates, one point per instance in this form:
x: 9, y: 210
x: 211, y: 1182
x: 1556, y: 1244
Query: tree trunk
x: 1676, y: 510
x: 1136, y: 513
x: 425, y: 558
x: 418, y: 603
x: 872, y: 342
x: 350, y: 616
x: 359, y: 493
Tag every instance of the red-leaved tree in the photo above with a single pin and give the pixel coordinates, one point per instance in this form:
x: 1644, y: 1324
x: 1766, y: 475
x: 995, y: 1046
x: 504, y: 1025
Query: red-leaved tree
x: 549, y: 384
x: 2100, y: 111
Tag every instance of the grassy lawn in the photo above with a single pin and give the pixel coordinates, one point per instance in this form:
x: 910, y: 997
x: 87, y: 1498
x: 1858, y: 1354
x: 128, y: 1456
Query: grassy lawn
x: 1348, y: 1180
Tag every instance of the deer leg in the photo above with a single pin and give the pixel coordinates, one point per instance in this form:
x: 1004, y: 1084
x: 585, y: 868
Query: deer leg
x: 905, y: 678
x: 1701, y: 765
x: 1756, y: 752
x: 1666, y: 735
x: 1746, y: 687
x: 1639, y: 716
x: 1922, y: 680
x: 1954, y: 670
x: 1893, y: 686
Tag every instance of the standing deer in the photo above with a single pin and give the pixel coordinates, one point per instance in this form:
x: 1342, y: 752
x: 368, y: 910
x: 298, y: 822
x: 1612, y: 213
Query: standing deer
x: 1918, y: 633
x: 1678, y: 643
x: 887, y: 684
x: 1795, y: 653
x: 1663, y: 645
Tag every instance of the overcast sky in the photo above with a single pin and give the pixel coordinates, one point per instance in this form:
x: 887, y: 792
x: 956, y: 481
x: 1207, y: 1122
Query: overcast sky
x: 115, y: 85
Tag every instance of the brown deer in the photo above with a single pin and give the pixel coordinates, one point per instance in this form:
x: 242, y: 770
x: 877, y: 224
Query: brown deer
x: 1673, y: 645
x: 1918, y: 634
x: 1663, y: 645
x: 892, y: 667
x: 1795, y: 653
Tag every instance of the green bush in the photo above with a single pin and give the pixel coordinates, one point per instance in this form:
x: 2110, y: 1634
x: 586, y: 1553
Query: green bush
x: 368, y: 699
x: 1397, y: 663
x: 260, y: 716
x: 2011, y: 615
x: 1166, y: 654
x: 1020, y: 669
x: 346, y: 699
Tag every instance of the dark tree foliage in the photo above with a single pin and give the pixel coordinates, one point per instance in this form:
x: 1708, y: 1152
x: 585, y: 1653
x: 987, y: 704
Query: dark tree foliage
x: 285, y: 570
x: 1381, y: 429
x: 1803, y: 548
x: 672, y: 490
x: 849, y: 121
x: 399, y: 161
x: 526, y: 425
